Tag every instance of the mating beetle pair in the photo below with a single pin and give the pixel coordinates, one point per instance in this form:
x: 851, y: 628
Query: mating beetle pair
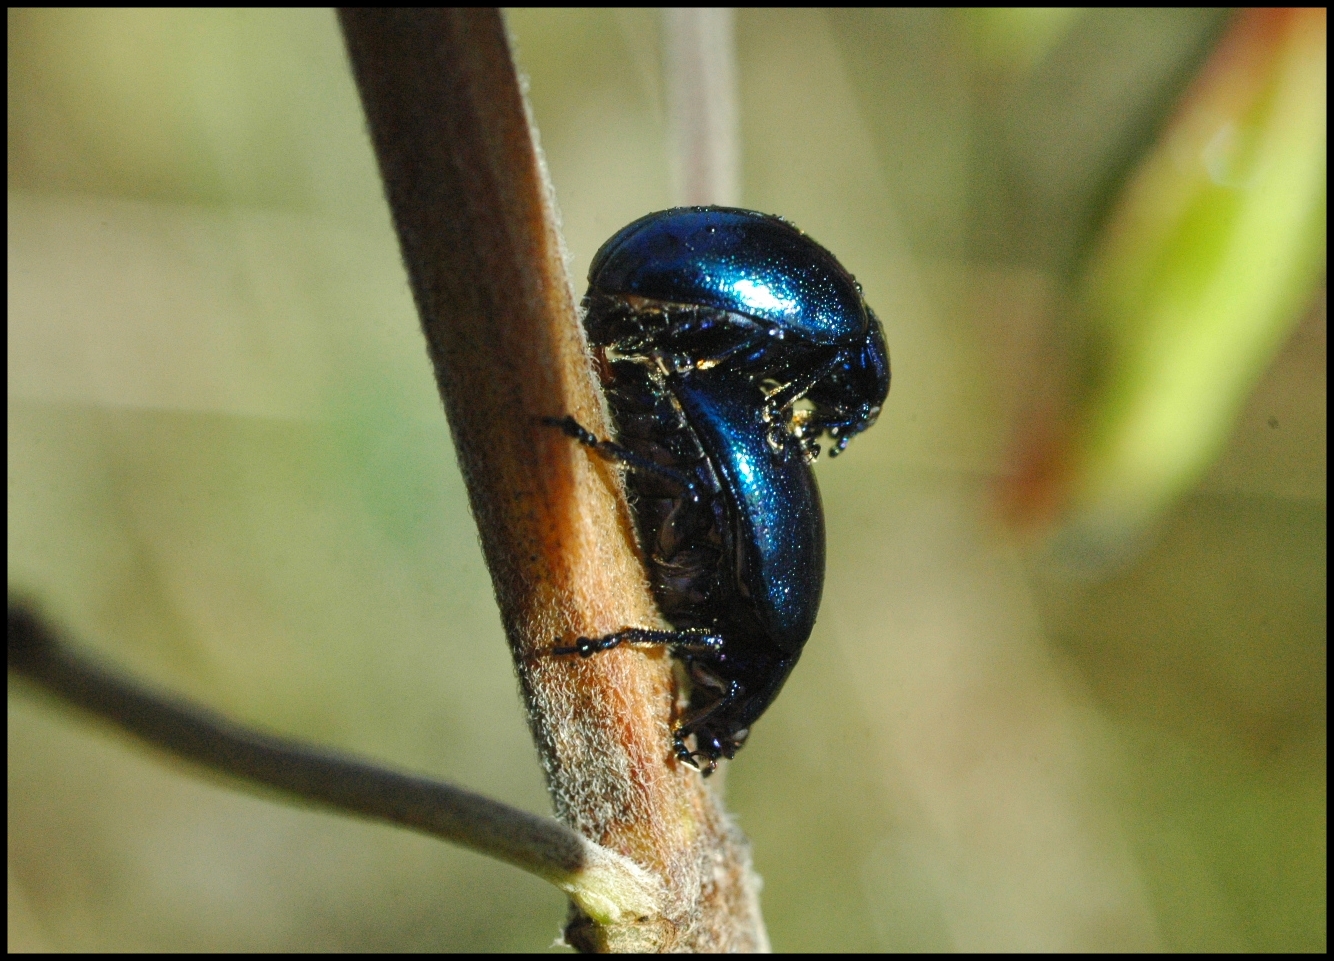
x: 711, y: 323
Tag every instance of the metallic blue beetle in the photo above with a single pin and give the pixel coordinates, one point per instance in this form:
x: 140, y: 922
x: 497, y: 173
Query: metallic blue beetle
x: 733, y: 534
x: 703, y: 286
x: 726, y: 505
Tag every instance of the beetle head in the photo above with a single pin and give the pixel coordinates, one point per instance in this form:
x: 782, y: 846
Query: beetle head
x: 848, y: 400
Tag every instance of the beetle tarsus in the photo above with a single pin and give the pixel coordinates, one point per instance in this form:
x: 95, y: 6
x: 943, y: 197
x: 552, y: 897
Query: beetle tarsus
x: 613, y: 451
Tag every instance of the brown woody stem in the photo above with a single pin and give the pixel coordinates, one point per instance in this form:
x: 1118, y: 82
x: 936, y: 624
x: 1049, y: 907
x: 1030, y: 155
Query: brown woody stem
x: 477, y: 226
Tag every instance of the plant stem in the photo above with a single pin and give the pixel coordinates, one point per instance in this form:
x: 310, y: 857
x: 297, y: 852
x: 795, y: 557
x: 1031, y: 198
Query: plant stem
x: 699, y: 63
x: 603, y: 883
x: 476, y: 222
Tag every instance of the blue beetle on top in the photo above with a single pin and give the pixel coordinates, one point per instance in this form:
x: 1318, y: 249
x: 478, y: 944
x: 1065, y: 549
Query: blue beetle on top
x: 703, y: 286
x: 709, y: 324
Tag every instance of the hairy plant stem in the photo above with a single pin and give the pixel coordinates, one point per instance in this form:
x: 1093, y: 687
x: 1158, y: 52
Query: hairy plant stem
x: 477, y: 226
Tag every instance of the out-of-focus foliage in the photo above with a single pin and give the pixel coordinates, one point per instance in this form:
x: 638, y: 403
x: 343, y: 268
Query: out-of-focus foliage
x: 228, y: 468
x: 1205, y: 265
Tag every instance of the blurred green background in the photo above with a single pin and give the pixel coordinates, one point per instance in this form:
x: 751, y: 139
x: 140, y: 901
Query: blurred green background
x: 228, y: 470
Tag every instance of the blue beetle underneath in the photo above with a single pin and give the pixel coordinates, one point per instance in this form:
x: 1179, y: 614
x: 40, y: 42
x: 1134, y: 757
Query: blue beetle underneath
x: 709, y: 324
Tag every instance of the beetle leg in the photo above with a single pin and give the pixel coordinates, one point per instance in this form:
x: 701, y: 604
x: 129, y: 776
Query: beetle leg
x: 844, y: 429
x: 692, y: 641
x: 701, y: 675
x: 728, y: 692
x: 753, y: 342
x: 614, y: 451
x: 687, y: 756
x: 785, y: 395
x: 697, y: 641
x: 783, y: 422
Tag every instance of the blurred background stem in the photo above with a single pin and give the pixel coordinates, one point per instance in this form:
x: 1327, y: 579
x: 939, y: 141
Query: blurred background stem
x: 699, y: 66
x: 606, y: 886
